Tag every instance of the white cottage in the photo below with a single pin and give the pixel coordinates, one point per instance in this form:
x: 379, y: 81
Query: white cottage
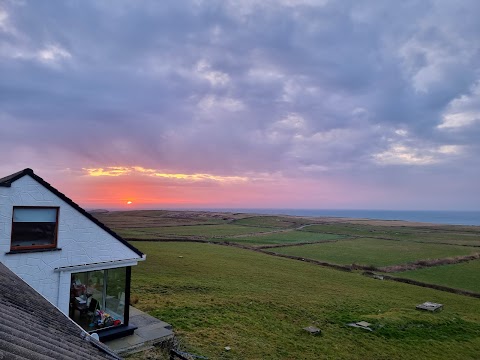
x: 64, y: 253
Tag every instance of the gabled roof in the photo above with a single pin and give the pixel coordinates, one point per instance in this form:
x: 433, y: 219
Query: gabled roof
x: 31, y: 328
x: 8, y: 180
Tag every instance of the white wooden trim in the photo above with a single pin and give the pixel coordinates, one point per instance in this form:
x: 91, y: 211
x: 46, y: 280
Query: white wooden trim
x: 99, y: 265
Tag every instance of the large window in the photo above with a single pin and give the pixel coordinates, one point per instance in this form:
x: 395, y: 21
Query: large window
x: 97, y: 298
x: 34, y: 227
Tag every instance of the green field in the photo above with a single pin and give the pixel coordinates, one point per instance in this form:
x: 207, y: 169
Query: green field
x: 218, y: 296
x: 287, y: 237
x: 256, y: 303
x: 458, y: 235
x: 277, y: 222
x: 461, y: 276
x: 206, y: 231
x: 155, y: 218
x: 375, y: 252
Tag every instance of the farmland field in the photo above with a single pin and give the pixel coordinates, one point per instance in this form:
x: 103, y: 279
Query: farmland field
x: 221, y: 296
x: 276, y: 222
x: 375, y: 252
x: 154, y: 218
x: 287, y: 237
x: 257, y: 304
x: 462, y: 276
x: 206, y: 231
x: 433, y: 233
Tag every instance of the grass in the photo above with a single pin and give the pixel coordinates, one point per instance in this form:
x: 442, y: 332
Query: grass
x: 155, y: 218
x: 277, y: 222
x: 207, y: 231
x: 464, y: 276
x: 217, y: 296
x: 374, y: 252
x: 287, y: 237
x: 458, y: 235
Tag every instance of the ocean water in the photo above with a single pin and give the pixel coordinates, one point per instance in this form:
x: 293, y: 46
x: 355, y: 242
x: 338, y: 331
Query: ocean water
x: 436, y: 217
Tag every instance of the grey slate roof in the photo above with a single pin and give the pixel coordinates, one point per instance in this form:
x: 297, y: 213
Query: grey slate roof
x: 8, y: 180
x: 31, y: 328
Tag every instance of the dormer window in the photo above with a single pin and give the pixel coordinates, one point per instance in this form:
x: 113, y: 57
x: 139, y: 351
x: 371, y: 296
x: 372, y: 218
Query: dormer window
x: 34, y: 228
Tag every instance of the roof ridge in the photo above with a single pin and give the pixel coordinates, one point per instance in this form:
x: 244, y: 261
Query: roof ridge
x: 9, y: 179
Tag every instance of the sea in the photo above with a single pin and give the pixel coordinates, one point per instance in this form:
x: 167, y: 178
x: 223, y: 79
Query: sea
x: 436, y: 217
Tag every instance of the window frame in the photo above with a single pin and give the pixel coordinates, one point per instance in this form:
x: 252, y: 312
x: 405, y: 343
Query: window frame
x: 125, y: 316
x: 36, y: 247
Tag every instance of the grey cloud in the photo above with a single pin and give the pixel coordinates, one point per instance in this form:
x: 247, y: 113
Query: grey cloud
x: 131, y: 90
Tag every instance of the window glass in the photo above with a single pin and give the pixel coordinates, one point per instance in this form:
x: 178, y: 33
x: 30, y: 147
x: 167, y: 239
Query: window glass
x: 34, y: 215
x: 115, y: 294
x: 95, y: 287
x: 34, y: 227
x: 97, y: 298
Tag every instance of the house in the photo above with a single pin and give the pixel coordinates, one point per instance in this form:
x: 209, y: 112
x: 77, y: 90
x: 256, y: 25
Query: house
x: 31, y: 328
x: 64, y: 253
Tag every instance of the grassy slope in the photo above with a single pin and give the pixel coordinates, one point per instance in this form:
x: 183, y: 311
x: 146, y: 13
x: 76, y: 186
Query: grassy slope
x: 461, y: 276
x: 219, y: 296
x: 375, y: 252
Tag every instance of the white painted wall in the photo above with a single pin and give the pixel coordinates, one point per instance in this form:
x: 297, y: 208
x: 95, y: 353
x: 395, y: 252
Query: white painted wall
x: 81, y: 240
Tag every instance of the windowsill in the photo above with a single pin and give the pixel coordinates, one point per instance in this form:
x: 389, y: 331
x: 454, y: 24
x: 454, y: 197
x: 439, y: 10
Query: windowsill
x: 31, y: 250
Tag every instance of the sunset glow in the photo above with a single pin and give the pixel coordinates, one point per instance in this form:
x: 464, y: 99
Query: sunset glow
x: 122, y: 171
x: 150, y: 192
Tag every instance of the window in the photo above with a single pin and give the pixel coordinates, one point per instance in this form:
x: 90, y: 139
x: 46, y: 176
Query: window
x: 34, y: 227
x: 97, y: 298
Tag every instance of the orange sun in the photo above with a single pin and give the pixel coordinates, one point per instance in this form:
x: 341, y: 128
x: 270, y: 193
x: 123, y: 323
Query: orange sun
x: 129, y: 202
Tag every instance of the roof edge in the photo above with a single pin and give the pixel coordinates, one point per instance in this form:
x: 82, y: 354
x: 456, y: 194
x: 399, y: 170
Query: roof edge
x: 14, y: 177
x: 8, y: 180
x: 68, y: 325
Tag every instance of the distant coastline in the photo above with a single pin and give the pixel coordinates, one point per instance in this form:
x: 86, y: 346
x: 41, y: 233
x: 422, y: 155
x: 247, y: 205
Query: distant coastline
x: 469, y: 218
x: 425, y: 216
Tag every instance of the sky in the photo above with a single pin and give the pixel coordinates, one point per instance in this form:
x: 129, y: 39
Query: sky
x: 244, y: 104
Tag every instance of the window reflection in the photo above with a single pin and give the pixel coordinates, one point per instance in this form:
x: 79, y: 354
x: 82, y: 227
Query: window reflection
x: 115, y: 293
x: 34, y: 227
x: 97, y: 298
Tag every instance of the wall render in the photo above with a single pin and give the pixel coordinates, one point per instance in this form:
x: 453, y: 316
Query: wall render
x: 81, y: 241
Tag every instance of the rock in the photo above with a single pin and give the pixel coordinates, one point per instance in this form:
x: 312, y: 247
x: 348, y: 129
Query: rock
x: 362, y: 325
x: 313, y: 330
x: 430, y: 306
